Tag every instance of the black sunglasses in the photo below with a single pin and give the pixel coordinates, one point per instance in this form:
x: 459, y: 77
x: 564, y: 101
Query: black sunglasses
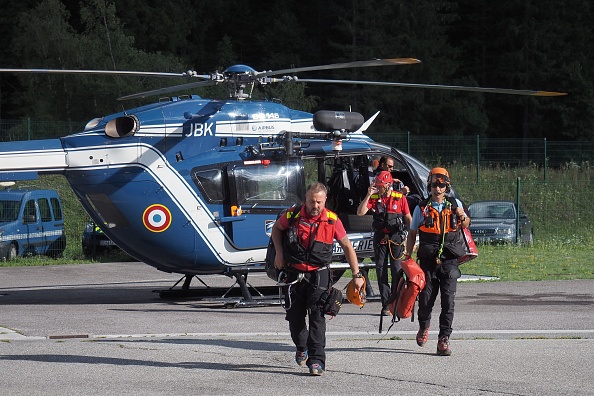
x: 440, y: 185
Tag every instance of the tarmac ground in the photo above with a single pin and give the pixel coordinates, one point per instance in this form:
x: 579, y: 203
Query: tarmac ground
x: 97, y: 329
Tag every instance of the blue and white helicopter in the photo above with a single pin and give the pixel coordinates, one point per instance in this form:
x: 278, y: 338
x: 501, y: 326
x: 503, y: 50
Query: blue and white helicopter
x: 193, y: 186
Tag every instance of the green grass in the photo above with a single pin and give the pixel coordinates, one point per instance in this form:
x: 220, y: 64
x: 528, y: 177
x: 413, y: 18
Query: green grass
x: 541, y: 261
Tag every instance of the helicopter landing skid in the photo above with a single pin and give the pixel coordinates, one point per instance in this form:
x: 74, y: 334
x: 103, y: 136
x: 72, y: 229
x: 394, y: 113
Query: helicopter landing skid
x: 230, y: 297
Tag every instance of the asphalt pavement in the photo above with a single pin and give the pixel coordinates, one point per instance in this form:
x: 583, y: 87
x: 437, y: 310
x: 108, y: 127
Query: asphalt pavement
x: 97, y: 329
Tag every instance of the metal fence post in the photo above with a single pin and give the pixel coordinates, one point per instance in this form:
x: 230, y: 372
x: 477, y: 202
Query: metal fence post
x: 478, y: 157
x: 545, y: 161
x: 517, y: 240
x: 408, y: 142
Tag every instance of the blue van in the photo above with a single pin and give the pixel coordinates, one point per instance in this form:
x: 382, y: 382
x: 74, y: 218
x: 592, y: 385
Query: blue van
x: 31, y: 223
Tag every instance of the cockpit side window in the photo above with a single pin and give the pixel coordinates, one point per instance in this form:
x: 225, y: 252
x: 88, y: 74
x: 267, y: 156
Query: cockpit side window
x: 277, y: 185
x: 210, y: 184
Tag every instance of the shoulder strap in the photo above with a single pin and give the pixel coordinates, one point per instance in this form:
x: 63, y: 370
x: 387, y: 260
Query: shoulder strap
x: 452, y: 202
x: 294, y: 214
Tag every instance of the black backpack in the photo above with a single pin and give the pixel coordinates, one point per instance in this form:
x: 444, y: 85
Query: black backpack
x: 271, y: 270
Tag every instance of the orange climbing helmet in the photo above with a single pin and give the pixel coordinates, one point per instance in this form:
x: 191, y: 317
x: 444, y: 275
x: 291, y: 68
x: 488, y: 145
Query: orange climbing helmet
x: 441, y: 175
x: 356, y: 297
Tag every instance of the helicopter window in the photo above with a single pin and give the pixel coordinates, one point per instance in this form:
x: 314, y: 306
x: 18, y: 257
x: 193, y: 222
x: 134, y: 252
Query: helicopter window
x: 57, y: 209
x: 275, y: 185
x: 210, y: 183
x: 44, y: 209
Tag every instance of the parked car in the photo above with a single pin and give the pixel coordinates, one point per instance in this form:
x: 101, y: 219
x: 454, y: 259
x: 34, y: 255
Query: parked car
x: 95, y: 242
x: 495, y: 222
x: 31, y: 223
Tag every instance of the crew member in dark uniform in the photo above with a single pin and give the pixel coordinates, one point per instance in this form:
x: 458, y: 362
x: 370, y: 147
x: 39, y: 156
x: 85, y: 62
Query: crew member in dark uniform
x: 303, y: 240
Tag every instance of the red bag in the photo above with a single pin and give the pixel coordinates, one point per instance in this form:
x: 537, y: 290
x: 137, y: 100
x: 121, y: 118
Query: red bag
x: 470, y: 247
x: 410, y: 283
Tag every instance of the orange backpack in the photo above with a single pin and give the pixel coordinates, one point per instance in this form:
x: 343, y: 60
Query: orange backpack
x: 410, y: 281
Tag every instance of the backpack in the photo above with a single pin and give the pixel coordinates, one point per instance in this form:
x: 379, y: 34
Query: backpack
x: 271, y: 270
x: 409, y: 282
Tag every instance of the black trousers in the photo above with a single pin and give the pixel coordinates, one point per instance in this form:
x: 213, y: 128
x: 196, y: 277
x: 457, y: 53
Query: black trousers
x: 385, y: 264
x: 442, y: 279
x: 303, y: 298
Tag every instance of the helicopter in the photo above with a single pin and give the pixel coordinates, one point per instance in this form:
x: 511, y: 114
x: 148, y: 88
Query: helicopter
x: 192, y: 186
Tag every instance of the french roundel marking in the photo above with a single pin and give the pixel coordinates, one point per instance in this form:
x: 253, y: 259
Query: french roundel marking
x: 157, y: 218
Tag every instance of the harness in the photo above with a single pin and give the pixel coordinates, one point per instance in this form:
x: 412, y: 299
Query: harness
x: 439, y: 234
x: 389, y: 222
x: 308, y: 246
x: 385, y: 218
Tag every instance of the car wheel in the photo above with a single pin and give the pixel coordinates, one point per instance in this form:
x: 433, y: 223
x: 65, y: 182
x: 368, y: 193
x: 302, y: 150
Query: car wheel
x: 12, y: 252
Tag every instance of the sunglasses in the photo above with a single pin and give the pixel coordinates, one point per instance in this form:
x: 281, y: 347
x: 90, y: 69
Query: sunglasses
x: 437, y: 184
x: 390, y: 166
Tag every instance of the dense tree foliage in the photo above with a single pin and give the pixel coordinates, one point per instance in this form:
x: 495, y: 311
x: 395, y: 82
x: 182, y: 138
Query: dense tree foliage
x: 521, y: 44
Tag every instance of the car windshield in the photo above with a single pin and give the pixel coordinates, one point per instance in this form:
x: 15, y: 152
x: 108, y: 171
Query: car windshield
x: 491, y: 210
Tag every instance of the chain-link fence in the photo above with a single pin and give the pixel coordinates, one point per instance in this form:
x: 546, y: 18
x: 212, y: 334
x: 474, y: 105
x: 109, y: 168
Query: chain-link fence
x: 489, y: 152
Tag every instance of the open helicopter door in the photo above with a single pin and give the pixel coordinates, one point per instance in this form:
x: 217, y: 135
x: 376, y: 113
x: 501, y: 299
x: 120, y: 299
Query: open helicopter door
x: 259, y: 191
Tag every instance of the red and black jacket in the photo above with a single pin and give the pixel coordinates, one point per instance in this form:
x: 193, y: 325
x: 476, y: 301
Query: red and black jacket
x: 386, y: 219
x: 309, y: 243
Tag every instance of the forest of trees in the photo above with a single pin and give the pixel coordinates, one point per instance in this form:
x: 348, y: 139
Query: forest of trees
x: 519, y: 44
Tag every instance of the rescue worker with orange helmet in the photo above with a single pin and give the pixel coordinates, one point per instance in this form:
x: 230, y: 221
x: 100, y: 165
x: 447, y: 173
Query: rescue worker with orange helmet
x: 438, y: 220
x: 303, y: 239
x: 391, y: 219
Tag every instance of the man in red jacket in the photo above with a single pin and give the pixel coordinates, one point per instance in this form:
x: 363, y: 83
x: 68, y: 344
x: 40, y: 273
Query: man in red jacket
x: 391, y: 219
x: 303, y: 240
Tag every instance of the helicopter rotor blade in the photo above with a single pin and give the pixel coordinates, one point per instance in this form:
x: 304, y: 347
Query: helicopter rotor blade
x: 108, y: 72
x: 375, y: 62
x: 431, y: 86
x: 174, y: 88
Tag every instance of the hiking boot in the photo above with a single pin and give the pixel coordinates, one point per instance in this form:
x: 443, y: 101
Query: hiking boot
x: 316, y: 369
x: 422, y: 336
x: 301, y: 357
x: 443, y: 346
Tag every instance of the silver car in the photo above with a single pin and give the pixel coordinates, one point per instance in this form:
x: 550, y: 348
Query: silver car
x: 496, y: 222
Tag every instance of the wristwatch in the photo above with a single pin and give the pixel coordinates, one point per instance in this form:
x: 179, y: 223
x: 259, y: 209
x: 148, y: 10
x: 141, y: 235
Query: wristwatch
x: 358, y: 275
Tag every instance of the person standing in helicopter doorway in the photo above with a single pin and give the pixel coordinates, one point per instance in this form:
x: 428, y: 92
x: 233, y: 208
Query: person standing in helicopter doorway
x: 387, y: 164
x: 438, y: 220
x: 303, y: 239
x: 391, y: 218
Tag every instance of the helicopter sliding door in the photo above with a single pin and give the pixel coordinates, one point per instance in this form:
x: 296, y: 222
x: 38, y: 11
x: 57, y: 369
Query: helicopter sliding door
x: 259, y: 191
